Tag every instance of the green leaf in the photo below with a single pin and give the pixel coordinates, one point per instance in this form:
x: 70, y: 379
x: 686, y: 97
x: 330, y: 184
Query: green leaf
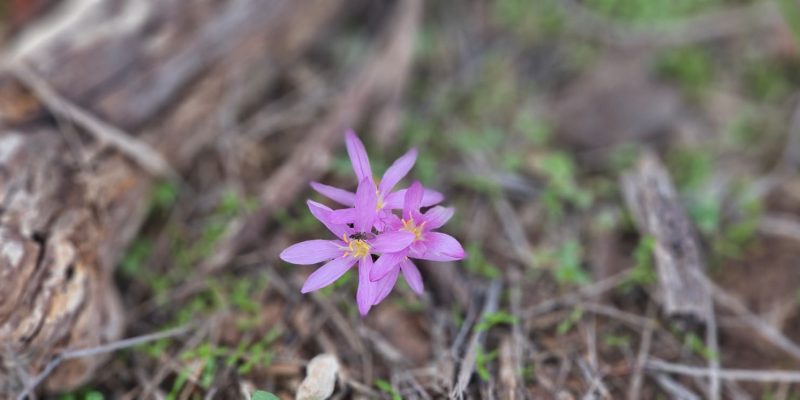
x: 262, y: 395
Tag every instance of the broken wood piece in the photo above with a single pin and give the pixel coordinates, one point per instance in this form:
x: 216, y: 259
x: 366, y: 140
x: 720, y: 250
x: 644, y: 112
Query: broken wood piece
x: 657, y: 212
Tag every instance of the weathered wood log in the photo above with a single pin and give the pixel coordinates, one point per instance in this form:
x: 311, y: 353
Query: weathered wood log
x: 657, y: 212
x: 70, y: 198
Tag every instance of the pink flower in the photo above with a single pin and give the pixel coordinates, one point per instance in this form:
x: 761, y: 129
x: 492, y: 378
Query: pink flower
x: 369, y: 228
x: 355, y: 246
x: 426, y: 244
x: 386, y: 200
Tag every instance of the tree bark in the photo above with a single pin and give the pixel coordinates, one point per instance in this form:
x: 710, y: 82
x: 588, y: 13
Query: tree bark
x: 72, y: 196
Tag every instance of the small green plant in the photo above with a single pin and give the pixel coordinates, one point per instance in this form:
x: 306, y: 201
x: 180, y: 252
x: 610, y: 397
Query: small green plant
x: 482, y: 360
x: 621, y: 341
x: 565, y: 262
x: 495, y: 318
x: 642, y: 273
x: 568, y: 323
x: 692, y: 67
x: 386, y: 387
x: 262, y: 395
x: 562, y: 188
x: 477, y: 263
x: 164, y: 196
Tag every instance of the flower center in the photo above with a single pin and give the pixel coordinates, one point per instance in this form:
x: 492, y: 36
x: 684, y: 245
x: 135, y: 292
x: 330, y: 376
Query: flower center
x: 412, y: 227
x: 358, y: 248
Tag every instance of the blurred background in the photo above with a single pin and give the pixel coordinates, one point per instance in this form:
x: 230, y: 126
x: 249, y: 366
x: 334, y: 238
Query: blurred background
x: 526, y: 114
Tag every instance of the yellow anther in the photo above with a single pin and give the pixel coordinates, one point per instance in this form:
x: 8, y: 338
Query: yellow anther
x: 359, y: 248
x: 411, y: 226
x: 379, y: 204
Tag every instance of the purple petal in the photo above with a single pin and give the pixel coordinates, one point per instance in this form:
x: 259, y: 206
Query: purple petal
x: 431, y: 198
x: 395, y: 199
x: 390, y: 242
x: 366, y: 203
x: 312, y: 252
x: 437, y: 216
x: 340, y: 196
x: 397, y: 171
x: 385, y: 264
x: 441, y: 247
x: 327, y: 274
x: 412, y: 276
x: 365, y: 295
x: 413, y: 200
x: 343, y: 216
x: 323, y: 214
x: 358, y: 156
x: 384, y: 286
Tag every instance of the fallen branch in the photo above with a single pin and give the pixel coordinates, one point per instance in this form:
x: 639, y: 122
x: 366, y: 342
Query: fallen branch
x: 657, y: 211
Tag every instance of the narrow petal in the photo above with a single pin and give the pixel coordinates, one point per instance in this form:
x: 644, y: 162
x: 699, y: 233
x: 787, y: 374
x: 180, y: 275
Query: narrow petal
x: 412, y: 276
x: 397, y: 171
x: 358, y: 156
x: 327, y: 274
x: 384, y: 286
x: 366, y: 203
x: 390, y: 242
x: 365, y: 295
x: 385, y: 264
x: 431, y: 198
x: 340, y: 196
x: 311, y: 252
x: 343, y: 216
x: 441, y: 247
x: 323, y: 214
x: 413, y: 200
x: 395, y: 199
x: 437, y: 216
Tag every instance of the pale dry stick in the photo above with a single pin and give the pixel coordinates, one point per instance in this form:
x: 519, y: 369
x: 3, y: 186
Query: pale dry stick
x: 93, y: 351
x: 783, y: 225
x: 595, y: 381
x: 712, y: 341
x: 675, y: 389
x: 590, y: 290
x: 407, y: 376
x: 766, y: 331
x: 383, y: 346
x: 748, y: 375
x: 507, y: 373
x: 626, y: 317
x: 164, y: 368
x: 140, y: 152
x: 467, y: 366
x: 635, y: 388
x: 513, y: 228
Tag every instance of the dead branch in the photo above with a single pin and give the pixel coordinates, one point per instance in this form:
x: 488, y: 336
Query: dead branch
x: 656, y: 209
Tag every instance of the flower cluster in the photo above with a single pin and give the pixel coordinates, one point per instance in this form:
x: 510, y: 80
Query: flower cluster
x: 369, y: 227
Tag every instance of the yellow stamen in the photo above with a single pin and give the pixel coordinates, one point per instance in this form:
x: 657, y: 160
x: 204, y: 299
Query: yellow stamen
x: 379, y: 204
x: 359, y: 248
x: 412, y: 227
